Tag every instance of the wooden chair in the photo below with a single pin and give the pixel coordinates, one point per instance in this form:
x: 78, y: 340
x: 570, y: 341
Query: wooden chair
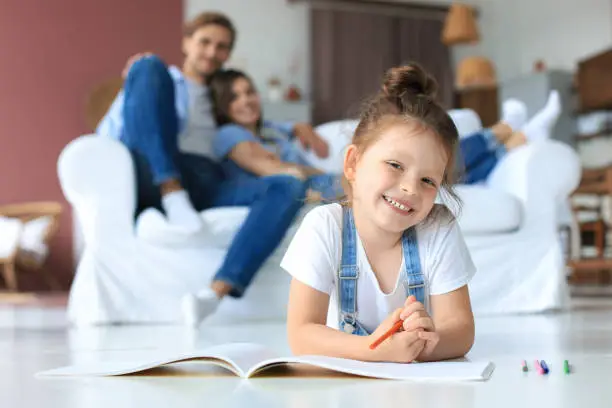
x: 594, y: 182
x: 23, y: 259
x: 11, y: 232
x: 98, y: 102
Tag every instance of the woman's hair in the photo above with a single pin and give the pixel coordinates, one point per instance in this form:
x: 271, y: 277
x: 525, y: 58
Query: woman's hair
x: 408, y: 95
x: 222, y: 95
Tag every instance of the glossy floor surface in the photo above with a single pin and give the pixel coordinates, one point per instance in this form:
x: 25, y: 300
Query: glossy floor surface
x: 34, y: 339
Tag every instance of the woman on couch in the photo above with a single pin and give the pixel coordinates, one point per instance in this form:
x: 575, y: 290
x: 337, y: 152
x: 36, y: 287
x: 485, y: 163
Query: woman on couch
x: 250, y: 147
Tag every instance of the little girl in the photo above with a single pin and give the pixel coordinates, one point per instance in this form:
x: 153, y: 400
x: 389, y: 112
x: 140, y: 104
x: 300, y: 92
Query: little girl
x: 388, y: 252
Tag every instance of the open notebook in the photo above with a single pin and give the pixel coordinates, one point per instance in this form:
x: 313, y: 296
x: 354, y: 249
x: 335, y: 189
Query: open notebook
x: 246, y: 360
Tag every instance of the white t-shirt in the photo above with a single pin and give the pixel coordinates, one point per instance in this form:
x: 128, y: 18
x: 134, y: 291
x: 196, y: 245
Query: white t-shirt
x: 315, y: 253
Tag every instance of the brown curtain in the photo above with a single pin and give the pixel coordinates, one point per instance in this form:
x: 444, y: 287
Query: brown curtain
x: 351, y: 50
x: 419, y: 41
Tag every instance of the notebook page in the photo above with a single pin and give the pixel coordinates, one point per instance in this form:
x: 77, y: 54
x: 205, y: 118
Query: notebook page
x: 239, y: 357
x: 244, y: 356
x: 437, y: 371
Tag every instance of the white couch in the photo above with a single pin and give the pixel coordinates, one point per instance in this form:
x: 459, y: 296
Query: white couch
x: 136, y: 272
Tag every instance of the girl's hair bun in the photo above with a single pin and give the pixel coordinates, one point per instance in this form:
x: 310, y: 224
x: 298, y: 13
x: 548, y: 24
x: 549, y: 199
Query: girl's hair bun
x: 409, y: 79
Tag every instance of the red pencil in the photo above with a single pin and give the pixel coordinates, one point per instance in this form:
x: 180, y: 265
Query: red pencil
x: 388, y: 334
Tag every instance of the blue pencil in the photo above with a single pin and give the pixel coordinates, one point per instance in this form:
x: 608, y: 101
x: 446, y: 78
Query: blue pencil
x: 544, y: 366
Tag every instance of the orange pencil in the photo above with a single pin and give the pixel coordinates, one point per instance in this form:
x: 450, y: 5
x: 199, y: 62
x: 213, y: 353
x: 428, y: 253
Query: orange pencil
x: 388, y: 334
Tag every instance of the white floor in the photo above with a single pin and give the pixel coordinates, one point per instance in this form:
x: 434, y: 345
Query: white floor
x: 32, y: 340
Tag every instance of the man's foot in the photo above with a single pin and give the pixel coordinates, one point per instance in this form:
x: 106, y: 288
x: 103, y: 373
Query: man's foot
x: 514, y: 113
x: 541, y: 125
x: 180, y: 211
x: 196, y: 307
x: 502, y: 131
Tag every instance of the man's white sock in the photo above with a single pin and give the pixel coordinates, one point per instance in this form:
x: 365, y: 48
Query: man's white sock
x: 196, y: 307
x: 542, y: 123
x: 180, y: 211
x: 514, y: 113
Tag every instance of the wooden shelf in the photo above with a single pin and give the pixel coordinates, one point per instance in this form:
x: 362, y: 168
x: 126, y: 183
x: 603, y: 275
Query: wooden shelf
x: 586, y: 111
x: 588, y: 279
x: 595, y: 188
x: 594, y: 84
x: 596, y: 181
x: 593, y: 264
x: 603, y: 133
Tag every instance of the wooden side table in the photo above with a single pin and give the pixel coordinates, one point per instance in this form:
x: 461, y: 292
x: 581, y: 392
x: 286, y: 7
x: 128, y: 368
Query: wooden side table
x: 594, y: 182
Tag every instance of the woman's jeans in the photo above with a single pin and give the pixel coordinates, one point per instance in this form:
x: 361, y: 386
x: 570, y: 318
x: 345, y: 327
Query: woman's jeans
x: 480, y: 153
x: 151, y: 134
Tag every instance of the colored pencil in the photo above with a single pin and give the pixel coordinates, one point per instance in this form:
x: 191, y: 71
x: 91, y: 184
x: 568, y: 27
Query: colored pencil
x: 538, y: 367
x: 398, y: 325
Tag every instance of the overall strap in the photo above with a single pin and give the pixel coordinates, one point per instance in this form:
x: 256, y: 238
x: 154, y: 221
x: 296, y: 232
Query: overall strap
x: 348, y: 274
x: 414, y: 282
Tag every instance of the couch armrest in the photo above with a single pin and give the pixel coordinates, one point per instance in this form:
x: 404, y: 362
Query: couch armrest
x: 541, y: 175
x: 97, y: 178
x: 338, y: 136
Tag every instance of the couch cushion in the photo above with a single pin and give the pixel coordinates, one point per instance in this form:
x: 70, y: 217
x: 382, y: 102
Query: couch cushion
x: 484, y: 211
x: 338, y: 135
x: 220, y: 226
x: 466, y: 120
x: 487, y: 211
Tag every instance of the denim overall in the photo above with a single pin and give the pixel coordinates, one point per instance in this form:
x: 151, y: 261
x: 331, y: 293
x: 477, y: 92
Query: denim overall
x: 348, y: 274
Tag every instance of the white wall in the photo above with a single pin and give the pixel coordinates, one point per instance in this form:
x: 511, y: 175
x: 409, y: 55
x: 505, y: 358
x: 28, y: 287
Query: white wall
x: 516, y: 33
x: 279, y: 28
x: 272, y: 35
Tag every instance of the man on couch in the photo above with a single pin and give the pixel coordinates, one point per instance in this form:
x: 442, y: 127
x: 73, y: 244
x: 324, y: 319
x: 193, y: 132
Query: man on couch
x: 163, y: 109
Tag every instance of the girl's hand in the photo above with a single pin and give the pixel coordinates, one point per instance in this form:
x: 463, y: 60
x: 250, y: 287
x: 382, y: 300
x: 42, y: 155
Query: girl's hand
x: 401, y: 347
x: 417, y: 320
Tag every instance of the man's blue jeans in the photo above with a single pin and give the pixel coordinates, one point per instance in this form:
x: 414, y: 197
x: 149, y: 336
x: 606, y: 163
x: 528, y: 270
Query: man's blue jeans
x: 479, y: 153
x: 328, y: 185
x: 151, y: 134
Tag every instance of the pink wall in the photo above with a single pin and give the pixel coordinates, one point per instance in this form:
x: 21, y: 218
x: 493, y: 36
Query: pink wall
x: 51, y: 54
